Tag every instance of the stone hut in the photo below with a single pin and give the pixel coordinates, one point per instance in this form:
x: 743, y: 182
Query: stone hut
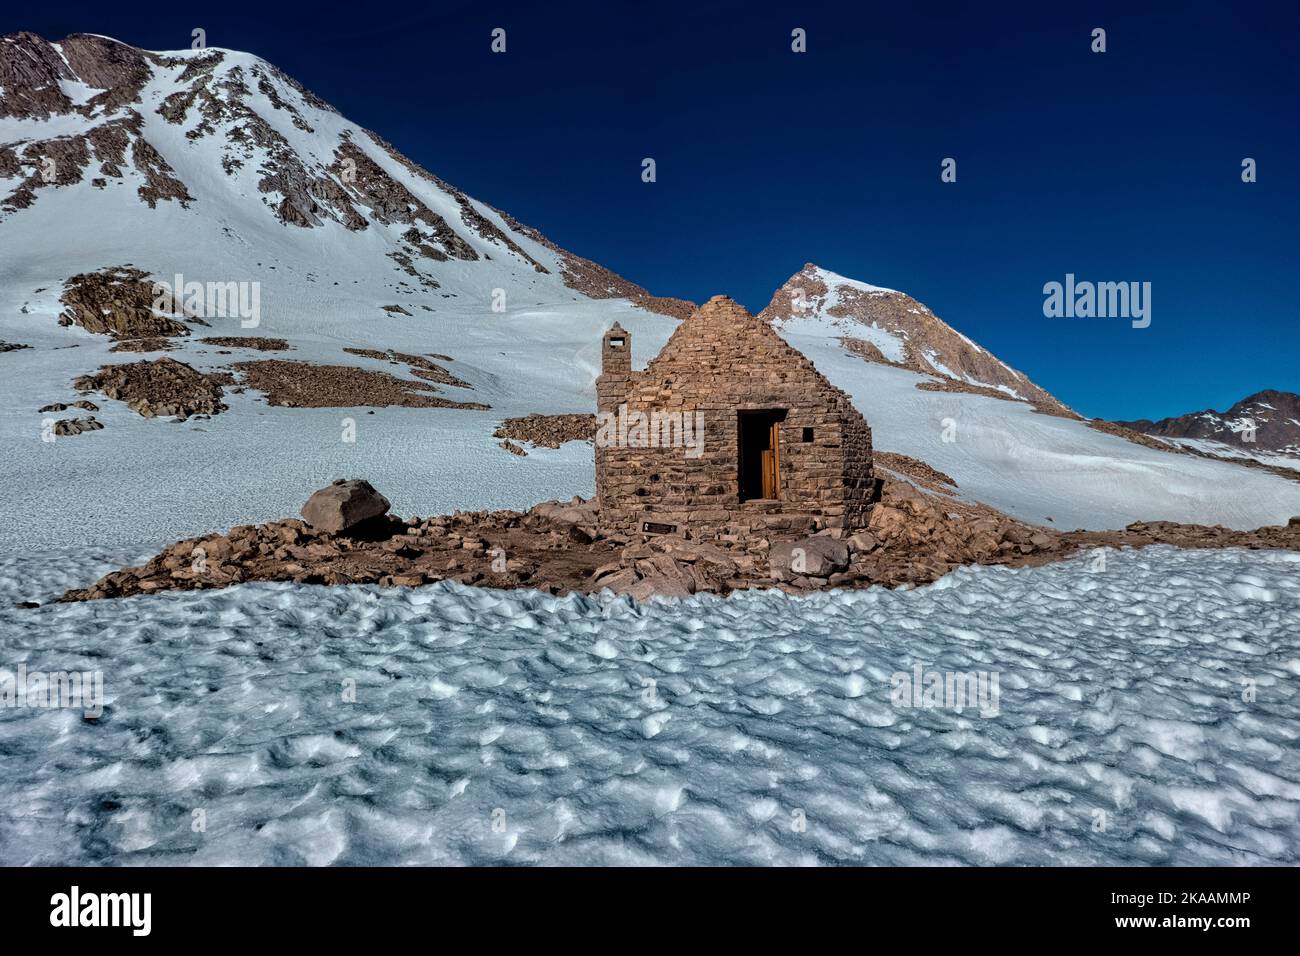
x: 728, y: 430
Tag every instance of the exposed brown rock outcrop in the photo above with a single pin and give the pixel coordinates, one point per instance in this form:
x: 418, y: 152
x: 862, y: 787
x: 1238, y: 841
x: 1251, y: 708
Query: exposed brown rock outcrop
x: 1128, y: 434
x: 259, y: 343
x: 121, y: 71
x: 494, y: 549
x: 29, y: 78
x: 470, y: 216
x: 143, y: 345
x: 420, y: 366
x: 156, y: 388
x: 76, y: 426
x: 548, y: 431
x: 391, y: 202
x: 307, y: 385
x: 62, y: 161
x: 915, y: 470
x: 119, y: 301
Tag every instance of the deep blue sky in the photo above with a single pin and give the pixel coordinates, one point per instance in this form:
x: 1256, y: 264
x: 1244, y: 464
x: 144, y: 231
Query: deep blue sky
x: 1116, y: 166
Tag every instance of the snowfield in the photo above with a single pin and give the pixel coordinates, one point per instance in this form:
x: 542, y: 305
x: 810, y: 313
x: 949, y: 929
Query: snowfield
x: 515, y: 727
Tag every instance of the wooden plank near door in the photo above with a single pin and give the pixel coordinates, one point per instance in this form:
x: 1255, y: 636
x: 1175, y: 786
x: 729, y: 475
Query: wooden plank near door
x: 772, y: 462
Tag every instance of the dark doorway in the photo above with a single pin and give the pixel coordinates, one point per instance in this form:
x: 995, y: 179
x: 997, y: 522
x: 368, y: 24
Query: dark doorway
x: 760, y: 453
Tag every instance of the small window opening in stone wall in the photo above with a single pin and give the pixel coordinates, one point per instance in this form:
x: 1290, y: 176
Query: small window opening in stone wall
x: 807, y: 435
x: 617, y: 343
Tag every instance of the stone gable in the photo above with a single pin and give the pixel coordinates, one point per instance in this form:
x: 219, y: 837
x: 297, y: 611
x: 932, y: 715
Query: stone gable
x: 728, y: 429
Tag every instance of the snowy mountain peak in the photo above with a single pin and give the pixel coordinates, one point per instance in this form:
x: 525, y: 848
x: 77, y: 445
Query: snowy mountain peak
x: 890, y: 327
x: 218, y: 139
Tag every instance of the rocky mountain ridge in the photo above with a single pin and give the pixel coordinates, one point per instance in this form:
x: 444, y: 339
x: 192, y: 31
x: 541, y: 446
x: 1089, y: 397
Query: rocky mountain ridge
x: 1267, y: 420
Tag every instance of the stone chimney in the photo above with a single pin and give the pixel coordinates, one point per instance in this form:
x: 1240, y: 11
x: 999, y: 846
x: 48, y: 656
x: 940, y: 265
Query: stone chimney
x: 615, y: 369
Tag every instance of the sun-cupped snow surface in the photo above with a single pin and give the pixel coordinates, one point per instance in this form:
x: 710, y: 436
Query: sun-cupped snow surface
x: 1128, y: 707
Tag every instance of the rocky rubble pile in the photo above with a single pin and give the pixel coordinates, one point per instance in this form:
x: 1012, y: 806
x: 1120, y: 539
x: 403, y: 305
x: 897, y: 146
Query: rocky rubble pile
x: 157, y: 388
x: 548, y: 431
x: 119, y: 301
x: 420, y: 366
x: 1143, y: 533
x: 913, y: 469
x: 912, y: 538
x: 308, y: 385
x: 347, y: 537
x: 258, y: 343
x: 494, y: 549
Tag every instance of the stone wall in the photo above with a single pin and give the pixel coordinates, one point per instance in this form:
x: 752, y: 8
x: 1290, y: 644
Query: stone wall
x: 720, y: 362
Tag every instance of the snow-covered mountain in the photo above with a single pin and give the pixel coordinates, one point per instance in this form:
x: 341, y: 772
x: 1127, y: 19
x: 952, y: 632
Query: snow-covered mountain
x: 892, y: 328
x: 370, y: 271
x: 211, y: 150
x: 1264, y: 427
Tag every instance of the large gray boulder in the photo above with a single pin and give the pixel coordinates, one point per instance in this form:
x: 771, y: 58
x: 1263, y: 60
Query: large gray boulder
x: 343, y: 505
x: 816, y: 557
